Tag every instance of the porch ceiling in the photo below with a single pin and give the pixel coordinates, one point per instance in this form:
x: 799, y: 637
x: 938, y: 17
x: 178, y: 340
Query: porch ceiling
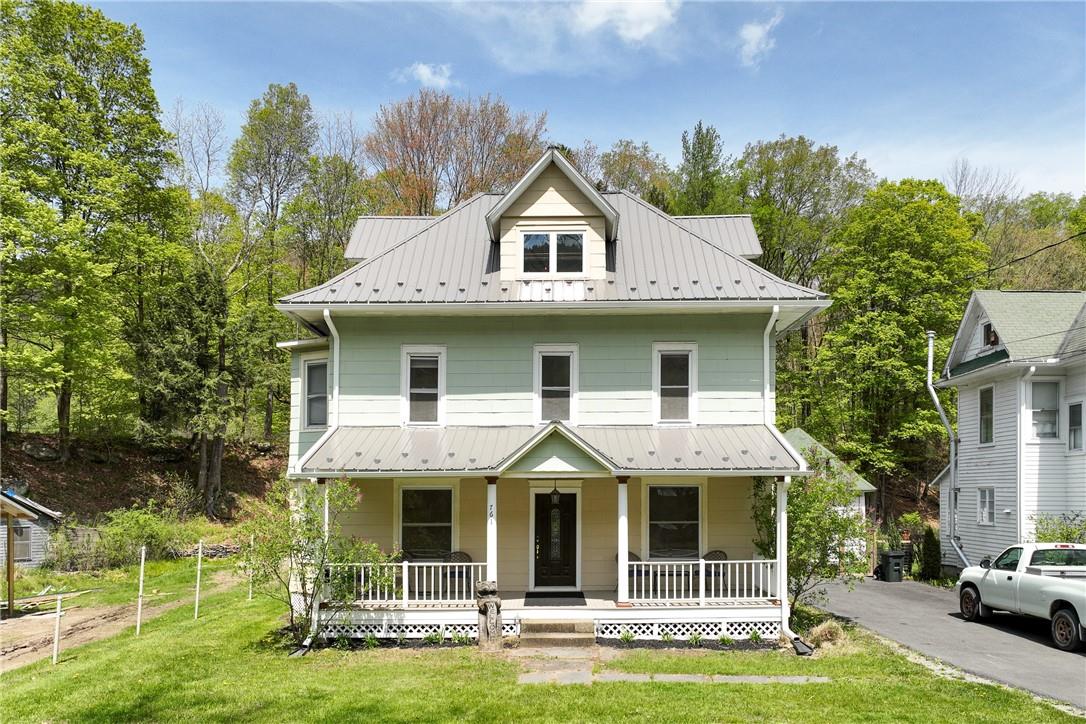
x: 489, y: 450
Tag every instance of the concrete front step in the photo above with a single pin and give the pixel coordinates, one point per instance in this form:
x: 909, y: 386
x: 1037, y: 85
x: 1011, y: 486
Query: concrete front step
x: 544, y: 626
x: 548, y: 640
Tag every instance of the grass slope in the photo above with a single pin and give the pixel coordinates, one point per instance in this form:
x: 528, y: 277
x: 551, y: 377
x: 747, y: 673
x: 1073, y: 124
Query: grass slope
x: 228, y: 666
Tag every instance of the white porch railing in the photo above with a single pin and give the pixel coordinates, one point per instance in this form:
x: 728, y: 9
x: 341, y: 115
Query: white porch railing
x: 410, y: 583
x: 701, y: 581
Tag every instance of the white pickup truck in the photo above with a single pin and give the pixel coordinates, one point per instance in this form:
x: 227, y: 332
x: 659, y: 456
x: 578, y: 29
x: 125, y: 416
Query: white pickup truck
x: 1046, y: 580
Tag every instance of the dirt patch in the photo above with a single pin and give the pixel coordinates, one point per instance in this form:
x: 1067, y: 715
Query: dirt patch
x: 29, y: 638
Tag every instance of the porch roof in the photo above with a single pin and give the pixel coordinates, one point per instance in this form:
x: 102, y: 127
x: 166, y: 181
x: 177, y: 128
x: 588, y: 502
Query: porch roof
x: 491, y: 450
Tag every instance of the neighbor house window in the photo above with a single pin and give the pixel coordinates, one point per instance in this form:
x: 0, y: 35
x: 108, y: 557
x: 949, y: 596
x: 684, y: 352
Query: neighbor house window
x: 991, y: 337
x: 316, y: 394
x: 1074, y: 426
x: 548, y: 251
x: 675, y: 374
x: 986, y: 506
x: 426, y: 522
x: 987, y: 415
x: 1045, y: 398
x: 674, y: 522
x: 423, y: 384
x: 556, y: 382
x: 21, y: 533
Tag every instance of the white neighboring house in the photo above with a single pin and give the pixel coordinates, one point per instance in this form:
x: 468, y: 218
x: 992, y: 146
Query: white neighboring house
x: 1018, y: 362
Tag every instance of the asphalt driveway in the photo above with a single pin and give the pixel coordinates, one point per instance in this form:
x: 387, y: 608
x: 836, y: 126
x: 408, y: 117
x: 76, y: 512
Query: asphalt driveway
x: 1009, y: 649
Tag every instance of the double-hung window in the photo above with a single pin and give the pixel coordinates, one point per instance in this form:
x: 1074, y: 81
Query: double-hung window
x: 550, y: 252
x: 986, y: 506
x: 556, y: 382
x: 423, y: 373
x: 316, y: 393
x: 1045, y: 405
x: 426, y: 522
x: 674, y: 522
x: 1074, y: 427
x: 21, y: 532
x: 675, y: 381
x: 987, y: 416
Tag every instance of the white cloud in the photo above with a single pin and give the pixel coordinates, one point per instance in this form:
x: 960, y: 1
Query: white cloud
x: 631, y: 21
x: 757, y: 40
x: 571, y: 37
x: 428, y: 75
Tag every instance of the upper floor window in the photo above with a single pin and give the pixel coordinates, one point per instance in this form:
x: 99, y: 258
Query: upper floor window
x: 674, y: 380
x: 556, y: 382
x: 987, y: 416
x: 316, y: 393
x: 547, y: 252
x: 1074, y: 427
x: 423, y: 393
x: 990, y: 336
x: 1045, y: 406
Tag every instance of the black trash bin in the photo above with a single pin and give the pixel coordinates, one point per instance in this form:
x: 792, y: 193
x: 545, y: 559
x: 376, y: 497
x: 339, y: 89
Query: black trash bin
x: 892, y: 564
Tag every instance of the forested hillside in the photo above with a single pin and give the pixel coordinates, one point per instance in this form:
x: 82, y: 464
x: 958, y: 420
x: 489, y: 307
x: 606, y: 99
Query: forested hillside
x: 143, y: 248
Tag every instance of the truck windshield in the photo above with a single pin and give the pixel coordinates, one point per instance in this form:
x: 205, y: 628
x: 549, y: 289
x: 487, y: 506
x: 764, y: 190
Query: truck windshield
x: 1059, y: 557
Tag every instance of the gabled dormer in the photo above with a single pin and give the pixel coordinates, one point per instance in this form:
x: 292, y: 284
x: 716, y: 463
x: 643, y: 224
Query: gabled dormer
x: 553, y: 224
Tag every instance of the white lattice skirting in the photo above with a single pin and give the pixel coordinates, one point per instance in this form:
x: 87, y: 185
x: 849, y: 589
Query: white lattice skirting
x: 682, y: 630
x: 384, y: 630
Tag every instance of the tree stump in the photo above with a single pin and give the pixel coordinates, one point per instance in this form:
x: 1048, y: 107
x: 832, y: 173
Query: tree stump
x: 490, y: 615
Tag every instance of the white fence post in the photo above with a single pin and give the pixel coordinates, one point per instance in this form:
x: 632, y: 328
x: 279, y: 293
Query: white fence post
x: 139, y: 599
x: 252, y: 548
x: 56, y: 634
x: 199, y: 565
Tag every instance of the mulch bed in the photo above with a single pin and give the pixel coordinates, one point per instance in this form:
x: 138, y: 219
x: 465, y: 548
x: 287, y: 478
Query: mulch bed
x: 706, y: 644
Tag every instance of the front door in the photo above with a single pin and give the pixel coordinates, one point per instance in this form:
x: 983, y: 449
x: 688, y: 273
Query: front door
x: 555, y: 540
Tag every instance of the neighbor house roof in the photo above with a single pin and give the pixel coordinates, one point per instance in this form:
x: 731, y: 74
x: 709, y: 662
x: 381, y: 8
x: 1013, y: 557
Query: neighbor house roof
x: 373, y: 234
x: 452, y: 261
x: 23, y: 507
x: 734, y: 232
x: 1034, y: 327
x: 483, y: 450
x: 802, y: 441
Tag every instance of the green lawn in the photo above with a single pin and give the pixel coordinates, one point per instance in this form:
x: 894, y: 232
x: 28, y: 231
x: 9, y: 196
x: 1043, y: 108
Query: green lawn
x: 227, y: 666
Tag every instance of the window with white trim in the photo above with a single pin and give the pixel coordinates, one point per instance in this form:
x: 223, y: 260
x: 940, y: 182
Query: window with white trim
x: 986, y: 506
x: 556, y: 382
x: 547, y: 252
x: 674, y: 522
x: 986, y: 416
x: 1074, y: 427
x: 990, y: 338
x: 21, y: 532
x: 423, y: 384
x: 316, y: 393
x: 1045, y: 408
x: 426, y: 523
x: 675, y: 382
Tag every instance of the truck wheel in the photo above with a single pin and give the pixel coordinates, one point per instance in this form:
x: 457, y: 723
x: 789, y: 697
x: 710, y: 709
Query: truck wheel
x: 1066, y: 630
x: 970, y: 606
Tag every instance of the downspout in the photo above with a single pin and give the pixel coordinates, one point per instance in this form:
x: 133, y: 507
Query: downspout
x: 1020, y: 449
x: 333, y: 407
x: 953, y: 453
x: 767, y: 418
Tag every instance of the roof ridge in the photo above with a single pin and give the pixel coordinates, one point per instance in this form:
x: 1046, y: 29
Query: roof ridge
x: 740, y: 260
x: 365, y: 262
x: 712, y: 216
x: 399, y: 216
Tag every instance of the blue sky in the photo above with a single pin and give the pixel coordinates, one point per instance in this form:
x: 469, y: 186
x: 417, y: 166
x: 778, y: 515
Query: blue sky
x: 908, y: 86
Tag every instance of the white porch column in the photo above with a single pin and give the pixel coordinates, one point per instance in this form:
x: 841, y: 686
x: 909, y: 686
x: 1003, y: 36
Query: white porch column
x: 782, y: 546
x: 492, y: 529
x: 623, y: 542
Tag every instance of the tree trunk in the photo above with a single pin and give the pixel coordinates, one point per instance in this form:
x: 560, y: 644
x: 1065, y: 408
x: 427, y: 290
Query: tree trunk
x: 64, y: 419
x: 269, y: 410
x: 201, y: 475
x: 214, y: 475
x: 3, y: 382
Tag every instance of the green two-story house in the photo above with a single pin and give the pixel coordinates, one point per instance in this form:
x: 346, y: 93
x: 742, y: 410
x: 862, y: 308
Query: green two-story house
x: 564, y: 391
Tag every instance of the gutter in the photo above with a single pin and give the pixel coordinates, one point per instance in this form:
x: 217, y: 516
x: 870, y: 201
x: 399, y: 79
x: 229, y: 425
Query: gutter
x: 953, y: 452
x: 1019, y: 452
x: 333, y: 407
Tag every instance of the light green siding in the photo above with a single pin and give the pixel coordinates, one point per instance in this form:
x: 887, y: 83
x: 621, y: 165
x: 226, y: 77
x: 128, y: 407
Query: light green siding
x: 556, y: 454
x: 302, y: 439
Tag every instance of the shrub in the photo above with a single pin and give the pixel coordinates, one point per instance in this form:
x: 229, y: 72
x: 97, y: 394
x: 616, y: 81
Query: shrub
x: 827, y: 632
x: 931, y: 564
x: 1069, y: 527
x: 118, y: 540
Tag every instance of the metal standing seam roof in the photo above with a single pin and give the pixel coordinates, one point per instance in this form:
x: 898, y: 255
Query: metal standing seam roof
x: 453, y: 261
x: 452, y: 449
x: 373, y: 234
x: 734, y: 232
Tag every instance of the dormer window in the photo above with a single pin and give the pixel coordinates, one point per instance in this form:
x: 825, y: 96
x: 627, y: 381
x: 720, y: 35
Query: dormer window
x: 990, y: 336
x: 553, y: 252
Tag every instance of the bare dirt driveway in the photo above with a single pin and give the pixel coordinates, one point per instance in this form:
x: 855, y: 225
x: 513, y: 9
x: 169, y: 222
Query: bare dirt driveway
x: 1012, y: 650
